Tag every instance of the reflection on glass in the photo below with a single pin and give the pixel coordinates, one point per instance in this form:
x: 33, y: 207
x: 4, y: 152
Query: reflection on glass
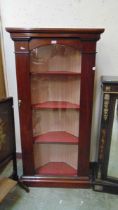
x: 47, y: 120
x: 113, y: 158
x: 57, y: 88
x: 55, y: 58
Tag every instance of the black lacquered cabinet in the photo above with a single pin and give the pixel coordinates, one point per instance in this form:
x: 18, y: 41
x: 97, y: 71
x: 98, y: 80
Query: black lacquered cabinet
x: 106, y: 178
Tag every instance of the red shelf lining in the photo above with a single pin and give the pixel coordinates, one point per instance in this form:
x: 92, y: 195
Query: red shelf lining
x: 56, y: 137
x: 55, y: 105
x: 55, y: 73
x: 57, y: 168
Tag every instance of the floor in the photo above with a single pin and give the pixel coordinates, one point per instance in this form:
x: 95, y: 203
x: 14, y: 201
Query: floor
x: 57, y: 198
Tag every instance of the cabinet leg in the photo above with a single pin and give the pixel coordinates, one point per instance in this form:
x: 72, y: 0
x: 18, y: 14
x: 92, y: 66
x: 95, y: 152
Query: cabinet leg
x: 23, y: 186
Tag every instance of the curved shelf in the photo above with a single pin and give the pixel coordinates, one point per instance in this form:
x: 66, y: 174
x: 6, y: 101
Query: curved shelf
x: 56, y: 137
x: 55, y: 73
x: 55, y: 105
x: 56, y: 168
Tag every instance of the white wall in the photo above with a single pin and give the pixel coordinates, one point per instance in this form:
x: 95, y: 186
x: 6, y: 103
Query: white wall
x: 64, y: 13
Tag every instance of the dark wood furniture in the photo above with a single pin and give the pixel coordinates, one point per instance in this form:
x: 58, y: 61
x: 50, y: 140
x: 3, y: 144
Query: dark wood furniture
x: 55, y: 75
x: 8, y: 147
x: 7, y: 135
x: 106, y: 173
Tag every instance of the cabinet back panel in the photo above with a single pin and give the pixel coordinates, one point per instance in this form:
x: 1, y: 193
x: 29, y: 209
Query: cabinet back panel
x: 55, y: 120
x: 45, y: 153
x: 55, y: 88
x: 55, y: 57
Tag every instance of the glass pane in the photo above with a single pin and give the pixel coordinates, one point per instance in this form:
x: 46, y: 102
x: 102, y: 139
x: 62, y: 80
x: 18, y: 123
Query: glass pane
x: 113, y: 158
x: 56, y: 159
x: 55, y: 109
x: 55, y: 88
x: 48, y: 120
x: 55, y: 58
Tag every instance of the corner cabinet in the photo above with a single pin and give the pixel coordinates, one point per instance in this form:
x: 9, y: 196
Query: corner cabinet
x: 55, y: 77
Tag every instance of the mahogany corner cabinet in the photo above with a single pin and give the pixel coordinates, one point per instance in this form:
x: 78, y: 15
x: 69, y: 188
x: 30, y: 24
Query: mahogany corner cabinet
x: 55, y: 78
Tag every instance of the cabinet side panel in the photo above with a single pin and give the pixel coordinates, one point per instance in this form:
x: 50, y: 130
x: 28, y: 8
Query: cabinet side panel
x: 23, y: 81
x: 86, y: 102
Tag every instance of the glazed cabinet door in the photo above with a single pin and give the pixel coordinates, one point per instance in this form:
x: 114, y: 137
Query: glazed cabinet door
x: 55, y: 77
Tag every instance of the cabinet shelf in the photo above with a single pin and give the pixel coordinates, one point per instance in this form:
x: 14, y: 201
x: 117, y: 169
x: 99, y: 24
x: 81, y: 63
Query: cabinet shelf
x: 56, y: 73
x: 56, y: 137
x: 56, y: 169
x: 55, y: 105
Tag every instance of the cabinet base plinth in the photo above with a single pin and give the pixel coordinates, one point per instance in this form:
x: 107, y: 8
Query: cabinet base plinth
x: 79, y: 182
